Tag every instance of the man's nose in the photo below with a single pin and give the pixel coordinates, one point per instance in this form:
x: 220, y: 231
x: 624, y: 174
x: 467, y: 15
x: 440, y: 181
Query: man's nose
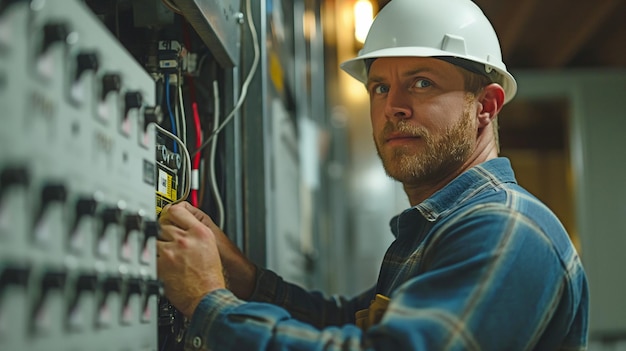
x: 398, y: 105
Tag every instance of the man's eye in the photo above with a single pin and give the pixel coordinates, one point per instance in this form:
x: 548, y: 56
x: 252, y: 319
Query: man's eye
x: 422, y: 83
x: 381, y: 89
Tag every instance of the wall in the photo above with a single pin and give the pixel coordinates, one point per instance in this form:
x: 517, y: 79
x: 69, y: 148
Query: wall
x: 598, y: 159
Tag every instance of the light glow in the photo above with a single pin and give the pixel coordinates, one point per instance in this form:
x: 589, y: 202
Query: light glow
x: 363, y: 18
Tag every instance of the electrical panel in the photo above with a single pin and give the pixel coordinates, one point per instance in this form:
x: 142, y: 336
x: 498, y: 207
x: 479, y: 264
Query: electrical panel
x: 77, y: 184
x: 112, y: 109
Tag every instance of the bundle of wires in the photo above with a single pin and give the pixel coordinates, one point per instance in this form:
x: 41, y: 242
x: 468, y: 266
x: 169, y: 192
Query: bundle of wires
x: 192, y: 169
x: 169, y: 110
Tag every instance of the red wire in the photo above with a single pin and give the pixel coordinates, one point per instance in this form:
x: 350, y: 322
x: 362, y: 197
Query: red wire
x: 196, y: 121
x: 196, y: 115
x: 196, y: 158
x: 194, y: 197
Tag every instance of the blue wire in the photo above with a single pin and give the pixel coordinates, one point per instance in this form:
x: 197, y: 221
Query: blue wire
x: 169, y: 108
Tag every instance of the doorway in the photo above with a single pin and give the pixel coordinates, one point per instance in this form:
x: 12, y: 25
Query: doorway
x: 534, y: 135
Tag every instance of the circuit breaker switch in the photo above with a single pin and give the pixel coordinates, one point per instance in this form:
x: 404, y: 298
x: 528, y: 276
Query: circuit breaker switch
x: 53, y: 280
x: 53, y: 192
x: 13, y: 276
x: 134, y: 286
x: 132, y: 99
x: 133, y: 222
x: 131, y: 300
x: 84, y: 286
x: 111, y: 215
x: 109, y: 286
x: 53, y: 33
x: 86, y: 207
x: 13, y: 176
x: 110, y: 220
x: 53, y: 195
x: 152, y: 115
x: 86, y: 61
x: 133, y: 225
x: 52, y: 283
x: 111, y: 82
x: 152, y: 291
x: 153, y: 288
x: 151, y: 230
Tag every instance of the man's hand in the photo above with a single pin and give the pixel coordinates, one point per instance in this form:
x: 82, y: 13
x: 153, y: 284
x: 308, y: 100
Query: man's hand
x: 240, y: 272
x: 188, y: 261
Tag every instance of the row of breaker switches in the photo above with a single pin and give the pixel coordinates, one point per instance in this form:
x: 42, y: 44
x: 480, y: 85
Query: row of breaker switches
x: 78, y: 226
x: 88, y: 300
x: 123, y: 102
x: 87, y: 219
x: 86, y: 81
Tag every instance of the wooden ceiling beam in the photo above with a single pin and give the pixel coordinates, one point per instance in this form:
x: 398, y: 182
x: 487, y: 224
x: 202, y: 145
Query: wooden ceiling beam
x: 606, y: 47
x: 559, y: 47
x: 512, y: 24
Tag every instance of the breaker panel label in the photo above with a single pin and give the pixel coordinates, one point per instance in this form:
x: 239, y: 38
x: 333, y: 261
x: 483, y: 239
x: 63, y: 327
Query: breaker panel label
x: 165, y: 190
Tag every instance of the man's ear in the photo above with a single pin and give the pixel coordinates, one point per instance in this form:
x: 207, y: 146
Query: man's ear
x: 491, y: 100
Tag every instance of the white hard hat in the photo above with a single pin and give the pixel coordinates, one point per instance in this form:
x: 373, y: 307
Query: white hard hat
x: 454, y: 30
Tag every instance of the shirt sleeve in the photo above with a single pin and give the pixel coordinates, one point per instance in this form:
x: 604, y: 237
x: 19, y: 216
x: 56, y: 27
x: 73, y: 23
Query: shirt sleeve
x: 309, y: 307
x: 223, y: 322
x: 490, y: 282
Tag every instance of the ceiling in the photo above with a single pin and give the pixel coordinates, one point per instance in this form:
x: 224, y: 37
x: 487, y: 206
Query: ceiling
x: 556, y: 34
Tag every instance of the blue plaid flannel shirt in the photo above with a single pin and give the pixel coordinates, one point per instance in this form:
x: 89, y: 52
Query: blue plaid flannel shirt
x: 480, y: 265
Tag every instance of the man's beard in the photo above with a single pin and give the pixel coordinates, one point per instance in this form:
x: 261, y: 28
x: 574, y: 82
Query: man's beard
x: 439, y: 157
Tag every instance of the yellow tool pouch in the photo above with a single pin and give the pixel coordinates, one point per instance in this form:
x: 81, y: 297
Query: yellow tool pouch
x: 372, y: 315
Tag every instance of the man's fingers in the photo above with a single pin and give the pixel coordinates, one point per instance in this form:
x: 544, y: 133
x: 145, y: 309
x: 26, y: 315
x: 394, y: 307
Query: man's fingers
x: 201, y: 216
x: 178, y: 215
x: 165, y: 212
x: 168, y: 231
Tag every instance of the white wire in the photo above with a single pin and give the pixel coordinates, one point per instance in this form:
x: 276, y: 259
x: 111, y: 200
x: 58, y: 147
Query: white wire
x: 172, y: 108
x: 177, y: 116
x: 183, y: 117
x: 186, y: 160
x: 246, y: 83
x: 181, y: 127
x: 214, y: 188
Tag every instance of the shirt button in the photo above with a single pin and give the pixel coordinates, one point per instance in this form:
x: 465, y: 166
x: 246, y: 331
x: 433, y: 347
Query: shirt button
x: 197, y: 342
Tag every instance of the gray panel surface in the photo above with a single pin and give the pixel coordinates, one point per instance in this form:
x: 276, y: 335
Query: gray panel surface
x: 71, y: 279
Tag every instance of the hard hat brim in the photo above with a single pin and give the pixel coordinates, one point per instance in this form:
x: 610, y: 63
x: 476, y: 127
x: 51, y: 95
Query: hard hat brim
x: 356, y: 67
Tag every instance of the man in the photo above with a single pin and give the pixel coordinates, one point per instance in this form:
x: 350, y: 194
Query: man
x: 478, y: 263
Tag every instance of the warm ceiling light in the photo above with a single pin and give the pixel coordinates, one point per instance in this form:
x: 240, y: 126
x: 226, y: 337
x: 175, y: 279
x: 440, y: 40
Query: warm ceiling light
x: 363, y: 17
